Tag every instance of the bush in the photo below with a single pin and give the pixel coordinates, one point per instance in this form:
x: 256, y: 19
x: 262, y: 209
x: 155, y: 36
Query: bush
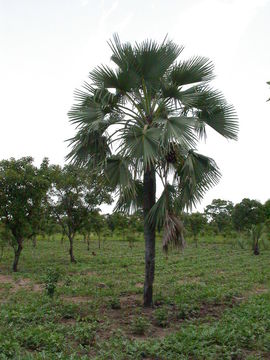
x: 85, y: 334
x: 115, y: 303
x: 139, y: 325
x: 161, y: 317
x: 50, y: 280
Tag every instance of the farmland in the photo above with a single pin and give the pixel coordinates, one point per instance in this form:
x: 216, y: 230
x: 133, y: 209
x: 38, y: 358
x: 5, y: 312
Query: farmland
x: 210, y: 302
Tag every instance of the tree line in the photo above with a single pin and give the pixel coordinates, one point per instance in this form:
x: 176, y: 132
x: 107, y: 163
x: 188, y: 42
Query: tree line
x: 222, y: 217
x: 51, y: 199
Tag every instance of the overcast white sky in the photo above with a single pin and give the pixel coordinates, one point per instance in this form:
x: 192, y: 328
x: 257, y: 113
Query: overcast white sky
x: 49, y: 46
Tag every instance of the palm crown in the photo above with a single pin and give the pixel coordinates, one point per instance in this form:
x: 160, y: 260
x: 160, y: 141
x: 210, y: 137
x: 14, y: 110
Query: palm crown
x: 147, y: 114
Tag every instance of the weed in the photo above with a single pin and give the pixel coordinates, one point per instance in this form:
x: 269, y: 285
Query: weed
x: 139, y: 325
x: 50, y: 280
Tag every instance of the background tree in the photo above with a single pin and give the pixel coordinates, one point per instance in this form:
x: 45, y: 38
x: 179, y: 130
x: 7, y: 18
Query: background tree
x: 266, y: 207
x: 110, y: 223
x: 93, y: 222
x: 219, y: 212
x: 247, y: 213
x: 143, y: 118
x: 98, y: 224
x: 195, y: 222
x: 23, y: 189
x: 73, y: 195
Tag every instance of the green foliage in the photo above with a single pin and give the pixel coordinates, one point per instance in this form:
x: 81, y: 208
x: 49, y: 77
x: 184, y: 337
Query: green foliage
x: 247, y: 213
x: 85, y: 334
x: 115, y: 303
x: 157, y: 108
x: 161, y: 317
x: 194, y: 223
x: 139, y: 325
x: 215, y: 300
x: 267, y: 209
x: 74, y: 197
x: 23, y: 189
x: 50, y: 281
x: 219, y: 213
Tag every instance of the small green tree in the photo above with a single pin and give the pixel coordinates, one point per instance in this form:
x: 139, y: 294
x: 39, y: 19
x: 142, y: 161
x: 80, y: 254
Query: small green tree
x: 98, y: 224
x: 266, y: 207
x: 23, y: 189
x: 219, y: 212
x: 73, y: 195
x: 195, y: 223
x: 247, y: 213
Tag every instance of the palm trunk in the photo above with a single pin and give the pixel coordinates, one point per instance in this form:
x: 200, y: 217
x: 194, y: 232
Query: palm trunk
x: 17, y: 254
x: 149, y: 183
x: 72, y: 258
x: 256, y: 248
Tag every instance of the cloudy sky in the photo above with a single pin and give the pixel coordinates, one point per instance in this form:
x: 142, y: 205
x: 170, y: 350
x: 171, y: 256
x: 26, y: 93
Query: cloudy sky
x: 49, y: 46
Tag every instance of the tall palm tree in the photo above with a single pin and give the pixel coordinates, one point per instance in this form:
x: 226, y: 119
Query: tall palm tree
x: 142, y: 118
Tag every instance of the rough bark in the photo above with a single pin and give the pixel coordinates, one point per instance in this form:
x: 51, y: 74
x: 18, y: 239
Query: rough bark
x: 17, y: 253
x: 72, y: 258
x: 149, y: 236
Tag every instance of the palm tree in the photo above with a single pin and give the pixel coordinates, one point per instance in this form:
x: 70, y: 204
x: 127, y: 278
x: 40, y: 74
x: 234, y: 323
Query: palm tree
x: 142, y: 118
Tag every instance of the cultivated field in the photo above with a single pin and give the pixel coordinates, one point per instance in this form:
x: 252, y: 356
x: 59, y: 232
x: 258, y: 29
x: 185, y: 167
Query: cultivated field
x: 211, y: 302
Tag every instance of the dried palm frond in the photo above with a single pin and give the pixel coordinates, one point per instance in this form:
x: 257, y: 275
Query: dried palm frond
x: 173, y: 234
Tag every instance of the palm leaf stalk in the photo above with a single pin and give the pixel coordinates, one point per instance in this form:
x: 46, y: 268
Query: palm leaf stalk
x: 142, y: 118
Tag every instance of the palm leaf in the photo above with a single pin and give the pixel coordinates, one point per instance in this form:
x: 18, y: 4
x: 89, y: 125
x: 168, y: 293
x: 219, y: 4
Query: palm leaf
x: 195, y: 176
x: 178, y: 129
x: 173, y: 233
x: 196, y: 69
x: 141, y: 143
x: 130, y: 202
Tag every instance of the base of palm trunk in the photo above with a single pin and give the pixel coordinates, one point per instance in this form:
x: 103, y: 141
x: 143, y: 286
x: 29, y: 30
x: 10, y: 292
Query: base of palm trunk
x: 148, y: 296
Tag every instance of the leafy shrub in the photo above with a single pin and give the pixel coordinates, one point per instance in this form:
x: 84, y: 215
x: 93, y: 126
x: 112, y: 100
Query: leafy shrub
x: 115, y: 303
x: 139, y: 325
x: 50, y: 280
x: 186, y: 311
x: 161, y: 317
x: 240, y: 243
x: 85, y: 333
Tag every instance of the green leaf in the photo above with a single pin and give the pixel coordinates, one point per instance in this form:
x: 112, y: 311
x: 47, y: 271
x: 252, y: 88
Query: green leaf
x: 178, y: 129
x: 195, y: 176
x: 117, y: 173
x: 141, y: 143
x: 196, y: 69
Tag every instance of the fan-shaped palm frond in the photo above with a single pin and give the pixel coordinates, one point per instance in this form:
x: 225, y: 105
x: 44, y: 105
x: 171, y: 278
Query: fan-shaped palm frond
x: 195, y: 176
x: 196, y: 69
x: 129, y: 202
x: 173, y: 233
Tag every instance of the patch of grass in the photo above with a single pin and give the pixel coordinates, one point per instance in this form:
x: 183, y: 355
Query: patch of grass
x: 139, y: 325
x: 210, y: 302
